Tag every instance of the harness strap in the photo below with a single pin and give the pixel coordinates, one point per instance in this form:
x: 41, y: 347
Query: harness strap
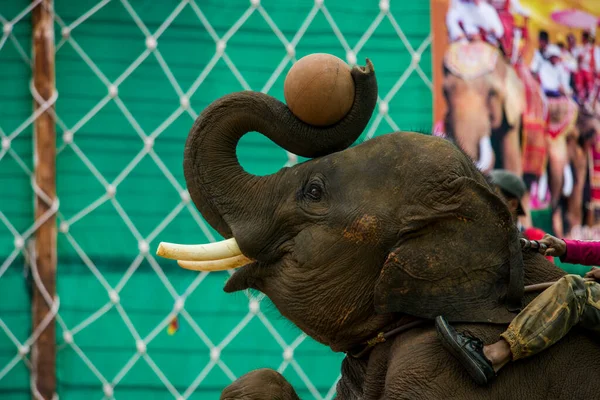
x: 515, y: 290
x: 384, y: 336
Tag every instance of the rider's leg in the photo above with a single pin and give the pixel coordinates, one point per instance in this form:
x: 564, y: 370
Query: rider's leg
x: 547, y: 319
x: 550, y: 316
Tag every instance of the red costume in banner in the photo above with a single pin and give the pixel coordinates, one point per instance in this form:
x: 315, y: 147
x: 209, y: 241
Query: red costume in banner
x: 584, y: 78
x: 595, y: 174
x: 535, y: 153
x: 508, y: 23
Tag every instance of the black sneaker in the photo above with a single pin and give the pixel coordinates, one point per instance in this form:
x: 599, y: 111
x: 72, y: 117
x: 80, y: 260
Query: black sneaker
x: 468, y: 350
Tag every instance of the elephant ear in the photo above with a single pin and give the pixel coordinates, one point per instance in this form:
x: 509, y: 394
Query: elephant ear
x: 461, y: 260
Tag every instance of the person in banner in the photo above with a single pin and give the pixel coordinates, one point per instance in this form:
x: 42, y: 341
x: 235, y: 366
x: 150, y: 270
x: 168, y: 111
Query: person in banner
x: 469, y: 20
x: 507, y: 9
x: 562, y: 116
x: 569, y: 58
x: 538, y: 56
x: 570, y: 301
x: 586, y: 55
x: 553, y: 76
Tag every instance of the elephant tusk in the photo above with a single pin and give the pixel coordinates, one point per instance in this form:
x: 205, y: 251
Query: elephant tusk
x: 486, y: 154
x: 199, y: 252
x: 216, y: 265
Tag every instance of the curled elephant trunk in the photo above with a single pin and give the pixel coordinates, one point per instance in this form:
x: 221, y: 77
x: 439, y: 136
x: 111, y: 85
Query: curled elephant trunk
x: 231, y: 200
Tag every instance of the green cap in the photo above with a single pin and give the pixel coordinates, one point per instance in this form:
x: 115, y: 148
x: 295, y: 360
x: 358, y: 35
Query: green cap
x: 509, y: 183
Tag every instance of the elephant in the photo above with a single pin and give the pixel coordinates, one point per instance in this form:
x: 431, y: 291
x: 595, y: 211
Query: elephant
x: 592, y: 201
x: 485, y: 101
x: 360, y: 243
x: 561, y: 129
x: 579, y: 146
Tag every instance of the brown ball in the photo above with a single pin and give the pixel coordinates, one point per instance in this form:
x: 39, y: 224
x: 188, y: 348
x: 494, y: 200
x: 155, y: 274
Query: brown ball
x: 319, y: 89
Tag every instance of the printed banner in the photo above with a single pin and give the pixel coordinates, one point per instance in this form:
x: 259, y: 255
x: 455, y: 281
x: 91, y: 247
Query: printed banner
x: 516, y: 87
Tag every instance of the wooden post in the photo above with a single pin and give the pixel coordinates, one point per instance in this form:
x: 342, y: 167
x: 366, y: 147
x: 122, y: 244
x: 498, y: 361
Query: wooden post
x: 44, y: 360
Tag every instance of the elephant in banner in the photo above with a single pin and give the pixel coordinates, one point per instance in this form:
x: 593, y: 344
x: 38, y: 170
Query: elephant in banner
x: 361, y: 242
x: 578, y: 147
x: 485, y: 101
x: 561, y: 129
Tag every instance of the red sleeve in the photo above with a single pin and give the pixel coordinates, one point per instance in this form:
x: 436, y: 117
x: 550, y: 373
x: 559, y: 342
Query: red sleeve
x: 585, y: 252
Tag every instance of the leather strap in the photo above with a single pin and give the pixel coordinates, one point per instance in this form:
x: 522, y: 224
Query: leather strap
x: 384, y: 336
x: 515, y: 290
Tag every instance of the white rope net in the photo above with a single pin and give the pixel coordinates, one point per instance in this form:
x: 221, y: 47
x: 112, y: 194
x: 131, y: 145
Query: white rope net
x: 185, y: 292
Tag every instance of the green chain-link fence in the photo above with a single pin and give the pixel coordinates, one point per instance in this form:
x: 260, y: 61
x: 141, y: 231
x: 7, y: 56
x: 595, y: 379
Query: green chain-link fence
x: 131, y: 78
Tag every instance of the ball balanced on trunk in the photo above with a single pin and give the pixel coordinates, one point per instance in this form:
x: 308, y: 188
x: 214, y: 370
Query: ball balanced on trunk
x: 319, y: 89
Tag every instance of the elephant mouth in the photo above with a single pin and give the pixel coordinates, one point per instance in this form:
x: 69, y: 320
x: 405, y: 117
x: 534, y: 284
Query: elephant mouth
x: 219, y: 256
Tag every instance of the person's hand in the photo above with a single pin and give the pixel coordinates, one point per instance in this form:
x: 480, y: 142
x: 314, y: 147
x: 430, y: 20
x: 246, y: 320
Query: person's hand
x: 594, y: 274
x: 553, y: 246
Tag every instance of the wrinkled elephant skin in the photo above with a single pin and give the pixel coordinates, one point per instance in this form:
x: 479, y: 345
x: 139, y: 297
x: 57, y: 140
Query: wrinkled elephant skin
x: 414, y: 366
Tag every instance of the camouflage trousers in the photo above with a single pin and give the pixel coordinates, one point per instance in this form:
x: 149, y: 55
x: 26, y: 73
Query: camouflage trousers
x: 549, y: 317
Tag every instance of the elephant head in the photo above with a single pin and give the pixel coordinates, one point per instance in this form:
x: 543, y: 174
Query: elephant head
x: 346, y: 242
x: 483, y: 94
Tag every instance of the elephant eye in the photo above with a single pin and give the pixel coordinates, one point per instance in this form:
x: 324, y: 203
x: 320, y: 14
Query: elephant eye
x: 314, y: 192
